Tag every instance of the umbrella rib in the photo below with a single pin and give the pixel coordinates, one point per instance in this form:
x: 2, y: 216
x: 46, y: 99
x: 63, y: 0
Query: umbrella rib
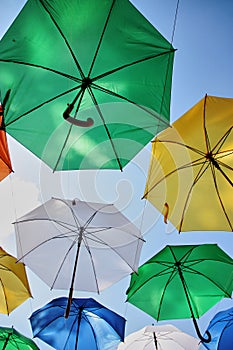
x: 65, y: 40
x: 78, y: 224
x: 105, y: 126
x: 104, y: 90
x: 92, y: 263
x: 62, y: 263
x: 96, y: 230
x: 223, y: 173
x: 5, y: 298
x: 185, y: 166
x: 81, y: 94
x: 92, y: 328
x: 132, y: 64
x: 89, y: 220
x: 186, y: 255
x: 221, y: 141
x: 112, y: 248
x: 208, y: 278
x: 101, y: 38
x: 39, y: 245
x: 212, y: 167
x: 196, y: 150
x: 171, y: 277
x: 69, y: 227
x: 198, y: 176
x: 7, y: 164
x: 100, y: 229
x: 207, y: 141
x: 34, y: 65
x: 43, y: 326
x: 42, y: 104
x: 222, y: 155
x: 179, y: 271
x: 69, y: 334
x: 161, y: 273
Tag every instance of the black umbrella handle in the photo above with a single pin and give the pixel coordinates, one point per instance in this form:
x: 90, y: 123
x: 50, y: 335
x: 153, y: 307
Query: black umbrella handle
x: 67, y: 312
x: 204, y: 340
x: 200, y: 336
x: 84, y: 123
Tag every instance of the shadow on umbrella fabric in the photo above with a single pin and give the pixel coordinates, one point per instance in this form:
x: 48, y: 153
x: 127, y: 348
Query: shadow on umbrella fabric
x: 90, y: 325
x: 133, y: 70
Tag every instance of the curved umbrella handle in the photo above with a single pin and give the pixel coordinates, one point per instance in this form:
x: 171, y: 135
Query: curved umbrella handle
x: 84, y: 123
x: 204, y: 340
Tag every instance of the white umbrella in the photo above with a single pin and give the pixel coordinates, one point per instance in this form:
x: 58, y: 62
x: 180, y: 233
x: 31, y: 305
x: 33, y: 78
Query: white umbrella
x: 78, y: 245
x: 166, y: 337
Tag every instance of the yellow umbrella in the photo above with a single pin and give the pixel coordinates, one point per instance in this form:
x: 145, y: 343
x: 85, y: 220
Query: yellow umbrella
x: 190, y: 176
x: 14, y: 287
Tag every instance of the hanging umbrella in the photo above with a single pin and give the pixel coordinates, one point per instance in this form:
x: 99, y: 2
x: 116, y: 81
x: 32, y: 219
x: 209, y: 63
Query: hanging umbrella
x: 182, y: 282
x: 14, y: 287
x: 100, y: 60
x: 166, y: 337
x: 5, y: 161
x: 10, y: 339
x: 221, y: 330
x: 191, y: 171
x: 90, y: 325
x: 94, y: 240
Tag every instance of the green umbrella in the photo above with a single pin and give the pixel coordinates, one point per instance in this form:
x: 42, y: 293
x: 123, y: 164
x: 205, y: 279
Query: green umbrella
x: 182, y: 282
x: 87, y: 82
x: 10, y: 339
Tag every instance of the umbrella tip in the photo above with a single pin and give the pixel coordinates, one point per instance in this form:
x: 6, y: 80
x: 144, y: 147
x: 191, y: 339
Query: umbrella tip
x: 166, y: 211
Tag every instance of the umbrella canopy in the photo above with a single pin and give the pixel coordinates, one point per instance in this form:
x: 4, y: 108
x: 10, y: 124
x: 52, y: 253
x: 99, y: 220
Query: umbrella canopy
x: 90, y: 325
x: 5, y: 161
x: 182, y: 282
x: 100, y: 59
x: 166, y: 337
x: 10, y: 339
x: 94, y: 240
x: 14, y: 287
x: 191, y: 171
x: 221, y: 330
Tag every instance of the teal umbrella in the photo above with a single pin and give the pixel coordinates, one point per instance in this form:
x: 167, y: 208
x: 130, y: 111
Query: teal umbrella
x: 86, y: 83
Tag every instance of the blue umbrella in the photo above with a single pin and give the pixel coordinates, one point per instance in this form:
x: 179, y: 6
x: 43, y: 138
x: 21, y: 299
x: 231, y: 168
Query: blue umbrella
x: 221, y: 330
x: 90, y: 325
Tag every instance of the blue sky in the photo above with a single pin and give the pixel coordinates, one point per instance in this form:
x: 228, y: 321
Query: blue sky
x: 203, y: 64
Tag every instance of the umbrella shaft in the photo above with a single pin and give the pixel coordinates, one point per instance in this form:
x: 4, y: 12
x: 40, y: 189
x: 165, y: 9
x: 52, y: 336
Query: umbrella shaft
x: 155, y: 341
x: 73, y: 279
x: 208, y: 339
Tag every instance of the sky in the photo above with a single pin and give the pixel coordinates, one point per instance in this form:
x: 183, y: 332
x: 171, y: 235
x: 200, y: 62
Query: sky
x: 203, y: 64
